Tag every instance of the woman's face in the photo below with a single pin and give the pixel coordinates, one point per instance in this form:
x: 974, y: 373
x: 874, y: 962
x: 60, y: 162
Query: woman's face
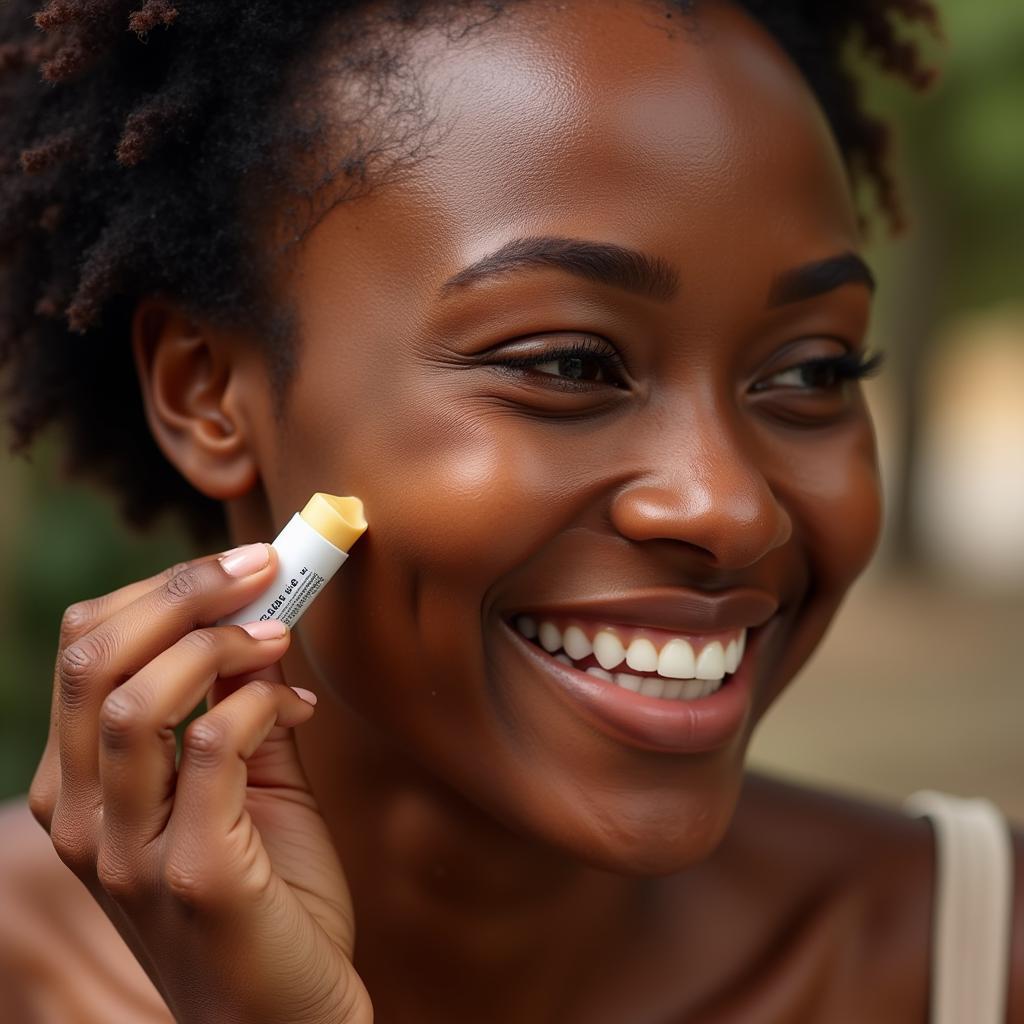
x: 676, y: 469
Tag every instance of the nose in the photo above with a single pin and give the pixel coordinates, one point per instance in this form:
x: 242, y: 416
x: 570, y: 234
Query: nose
x: 705, y: 491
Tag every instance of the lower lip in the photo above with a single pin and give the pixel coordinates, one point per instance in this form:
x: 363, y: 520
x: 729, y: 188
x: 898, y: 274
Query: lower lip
x: 674, y: 726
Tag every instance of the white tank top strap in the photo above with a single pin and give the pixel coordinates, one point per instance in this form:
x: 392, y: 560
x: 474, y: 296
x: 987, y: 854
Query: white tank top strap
x: 973, y: 907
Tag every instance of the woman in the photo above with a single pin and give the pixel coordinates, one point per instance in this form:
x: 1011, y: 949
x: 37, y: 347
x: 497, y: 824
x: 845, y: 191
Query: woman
x: 569, y: 295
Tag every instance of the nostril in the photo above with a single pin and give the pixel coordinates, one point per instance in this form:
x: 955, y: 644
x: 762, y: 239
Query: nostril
x: 732, y: 523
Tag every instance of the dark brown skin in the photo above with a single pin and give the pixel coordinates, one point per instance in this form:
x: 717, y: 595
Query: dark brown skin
x: 506, y: 861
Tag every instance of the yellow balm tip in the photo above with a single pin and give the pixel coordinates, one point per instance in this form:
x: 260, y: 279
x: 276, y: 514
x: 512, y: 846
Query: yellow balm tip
x: 339, y: 520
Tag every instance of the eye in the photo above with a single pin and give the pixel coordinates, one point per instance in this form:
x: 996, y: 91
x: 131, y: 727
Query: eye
x: 588, y: 361
x: 825, y: 374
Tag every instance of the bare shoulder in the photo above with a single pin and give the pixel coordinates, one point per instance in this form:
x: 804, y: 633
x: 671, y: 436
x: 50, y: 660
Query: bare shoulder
x: 833, y: 837
x: 859, y: 875
x: 60, y: 957
x: 880, y: 865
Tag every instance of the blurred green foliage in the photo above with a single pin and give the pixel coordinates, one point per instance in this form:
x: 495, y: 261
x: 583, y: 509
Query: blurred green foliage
x: 962, y: 156
x: 60, y: 543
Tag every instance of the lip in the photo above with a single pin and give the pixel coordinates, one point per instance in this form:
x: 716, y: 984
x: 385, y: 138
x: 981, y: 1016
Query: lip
x: 670, y: 608
x: 651, y: 723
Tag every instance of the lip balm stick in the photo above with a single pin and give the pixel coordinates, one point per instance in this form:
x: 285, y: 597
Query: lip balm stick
x: 311, y: 549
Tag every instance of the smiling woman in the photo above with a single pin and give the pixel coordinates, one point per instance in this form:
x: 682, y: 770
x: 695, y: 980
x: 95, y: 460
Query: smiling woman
x: 570, y: 295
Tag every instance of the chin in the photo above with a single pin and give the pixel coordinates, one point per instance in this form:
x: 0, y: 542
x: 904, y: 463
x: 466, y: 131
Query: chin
x: 646, y: 835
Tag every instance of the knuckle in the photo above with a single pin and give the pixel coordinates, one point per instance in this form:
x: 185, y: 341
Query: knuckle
x: 204, y: 739
x: 182, y: 587
x: 77, y: 618
x: 122, y: 716
x: 74, y: 848
x: 217, y: 878
x: 117, y: 879
x: 188, y: 884
x: 204, y: 641
x: 263, y: 689
x: 80, y: 658
x: 176, y: 570
x: 77, y: 663
x: 42, y: 798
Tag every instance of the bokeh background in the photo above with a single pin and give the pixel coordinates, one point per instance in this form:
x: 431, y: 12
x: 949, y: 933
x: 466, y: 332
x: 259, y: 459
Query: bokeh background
x: 919, y: 681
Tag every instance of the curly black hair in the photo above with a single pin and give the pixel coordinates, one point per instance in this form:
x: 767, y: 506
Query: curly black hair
x: 128, y: 131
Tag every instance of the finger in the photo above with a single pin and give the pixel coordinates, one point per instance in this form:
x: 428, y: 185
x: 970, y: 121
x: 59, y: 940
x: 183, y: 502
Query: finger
x: 77, y: 620
x: 211, y: 790
x: 137, y: 721
x: 85, y: 615
x: 274, y: 763
x: 225, y: 684
x: 130, y: 638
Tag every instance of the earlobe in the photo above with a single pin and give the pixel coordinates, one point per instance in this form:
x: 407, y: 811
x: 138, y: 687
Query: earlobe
x: 192, y: 393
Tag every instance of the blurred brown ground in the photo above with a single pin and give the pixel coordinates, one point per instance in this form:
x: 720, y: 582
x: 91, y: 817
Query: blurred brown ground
x: 917, y: 685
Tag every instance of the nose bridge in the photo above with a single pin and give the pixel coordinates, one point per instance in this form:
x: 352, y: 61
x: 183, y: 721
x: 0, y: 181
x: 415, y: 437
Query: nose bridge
x: 698, y: 480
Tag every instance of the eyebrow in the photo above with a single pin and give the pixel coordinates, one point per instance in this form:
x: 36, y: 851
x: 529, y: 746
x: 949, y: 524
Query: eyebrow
x: 603, y: 262
x: 647, y: 275
x: 813, y: 279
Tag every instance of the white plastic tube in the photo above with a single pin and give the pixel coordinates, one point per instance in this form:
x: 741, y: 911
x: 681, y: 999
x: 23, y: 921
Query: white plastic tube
x: 310, y: 549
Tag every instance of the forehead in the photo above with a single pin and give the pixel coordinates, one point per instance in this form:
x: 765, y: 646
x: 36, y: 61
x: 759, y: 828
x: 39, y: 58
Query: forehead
x: 614, y: 120
x: 686, y: 101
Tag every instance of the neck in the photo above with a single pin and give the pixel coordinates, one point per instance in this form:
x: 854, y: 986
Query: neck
x: 468, y: 907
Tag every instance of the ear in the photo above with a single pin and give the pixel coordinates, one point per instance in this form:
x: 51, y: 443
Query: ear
x: 194, y: 383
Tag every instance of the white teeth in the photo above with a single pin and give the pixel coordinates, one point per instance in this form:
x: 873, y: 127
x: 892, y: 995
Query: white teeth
x: 608, y: 649
x: 527, y: 626
x: 673, y: 689
x: 676, y: 660
x: 550, y: 636
x: 652, y: 686
x: 732, y: 656
x: 680, y: 674
x: 576, y: 643
x: 693, y: 688
x: 628, y: 681
x: 711, y: 661
x: 642, y: 655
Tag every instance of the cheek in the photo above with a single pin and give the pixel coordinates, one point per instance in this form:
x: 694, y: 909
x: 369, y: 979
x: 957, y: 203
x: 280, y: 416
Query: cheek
x: 455, y: 504
x: 841, y: 511
x: 836, y: 501
x: 451, y: 492
x: 461, y: 507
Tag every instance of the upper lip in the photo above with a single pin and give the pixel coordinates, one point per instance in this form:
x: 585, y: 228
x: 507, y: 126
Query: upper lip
x: 671, y: 608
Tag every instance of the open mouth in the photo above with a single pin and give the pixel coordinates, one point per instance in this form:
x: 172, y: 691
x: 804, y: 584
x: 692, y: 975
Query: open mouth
x: 650, y: 662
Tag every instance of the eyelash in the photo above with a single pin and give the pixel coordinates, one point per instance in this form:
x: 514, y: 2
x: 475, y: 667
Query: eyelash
x: 851, y: 365
x: 588, y: 347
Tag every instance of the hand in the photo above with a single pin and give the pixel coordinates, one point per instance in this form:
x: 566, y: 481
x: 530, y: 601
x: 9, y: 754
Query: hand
x: 218, y: 872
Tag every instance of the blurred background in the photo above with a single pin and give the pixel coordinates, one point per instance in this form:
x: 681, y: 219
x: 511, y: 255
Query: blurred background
x: 918, y: 683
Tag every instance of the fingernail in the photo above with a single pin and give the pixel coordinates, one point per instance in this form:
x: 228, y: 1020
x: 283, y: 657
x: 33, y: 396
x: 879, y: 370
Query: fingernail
x: 307, y: 695
x: 246, y: 560
x: 265, y: 629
